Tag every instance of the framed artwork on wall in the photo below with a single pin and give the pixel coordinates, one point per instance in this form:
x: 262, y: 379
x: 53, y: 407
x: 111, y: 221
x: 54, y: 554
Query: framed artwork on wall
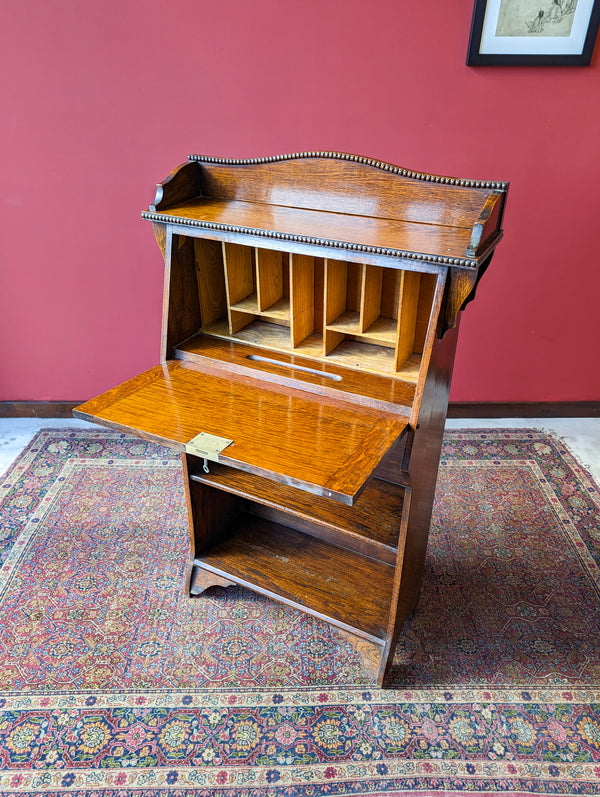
x: 533, y: 32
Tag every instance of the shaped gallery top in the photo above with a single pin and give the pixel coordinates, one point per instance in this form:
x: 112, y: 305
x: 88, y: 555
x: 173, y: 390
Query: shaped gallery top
x: 356, y: 207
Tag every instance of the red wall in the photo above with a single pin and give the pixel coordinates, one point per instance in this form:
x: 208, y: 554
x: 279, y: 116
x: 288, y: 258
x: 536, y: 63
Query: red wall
x: 101, y: 100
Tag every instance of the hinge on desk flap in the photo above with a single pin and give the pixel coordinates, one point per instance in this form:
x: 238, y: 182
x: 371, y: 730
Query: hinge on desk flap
x: 207, y: 446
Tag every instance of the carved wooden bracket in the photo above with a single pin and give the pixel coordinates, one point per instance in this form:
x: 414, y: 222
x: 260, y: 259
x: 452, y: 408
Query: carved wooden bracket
x: 203, y: 579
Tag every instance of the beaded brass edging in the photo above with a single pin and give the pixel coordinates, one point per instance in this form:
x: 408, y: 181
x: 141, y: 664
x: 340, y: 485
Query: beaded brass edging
x: 283, y: 236
x: 387, y: 167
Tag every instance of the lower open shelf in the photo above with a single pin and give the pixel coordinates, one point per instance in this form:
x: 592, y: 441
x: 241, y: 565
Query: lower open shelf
x: 343, y: 587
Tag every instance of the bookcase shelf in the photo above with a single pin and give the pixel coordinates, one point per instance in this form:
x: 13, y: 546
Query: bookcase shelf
x: 310, y: 319
x: 322, y: 579
x: 370, y: 526
x: 276, y: 313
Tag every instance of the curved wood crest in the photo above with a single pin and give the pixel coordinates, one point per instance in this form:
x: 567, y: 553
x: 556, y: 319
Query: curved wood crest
x: 496, y: 185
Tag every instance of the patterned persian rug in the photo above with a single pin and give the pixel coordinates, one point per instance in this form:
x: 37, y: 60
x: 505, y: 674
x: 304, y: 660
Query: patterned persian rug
x: 113, y: 682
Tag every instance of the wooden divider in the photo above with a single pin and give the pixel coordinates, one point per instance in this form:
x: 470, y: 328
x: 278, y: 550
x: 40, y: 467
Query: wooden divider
x: 302, y: 297
x: 407, y: 316
x: 336, y: 275
x: 240, y: 284
x: 380, y: 310
x: 370, y: 296
x: 210, y: 276
x: 269, y: 278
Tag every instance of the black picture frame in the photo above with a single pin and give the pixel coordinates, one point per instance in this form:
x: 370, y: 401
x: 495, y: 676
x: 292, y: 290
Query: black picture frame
x: 525, y: 56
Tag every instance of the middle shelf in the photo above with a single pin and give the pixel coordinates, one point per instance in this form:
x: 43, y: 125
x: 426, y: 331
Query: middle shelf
x: 370, y: 526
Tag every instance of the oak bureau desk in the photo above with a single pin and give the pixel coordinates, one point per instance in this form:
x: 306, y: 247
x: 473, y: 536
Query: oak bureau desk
x: 310, y: 317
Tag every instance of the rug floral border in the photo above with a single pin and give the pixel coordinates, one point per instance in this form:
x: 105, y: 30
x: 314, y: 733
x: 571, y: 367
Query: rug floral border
x: 497, y: 754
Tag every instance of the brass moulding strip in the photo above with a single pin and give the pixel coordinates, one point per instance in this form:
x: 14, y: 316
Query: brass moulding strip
x: 207, y: 446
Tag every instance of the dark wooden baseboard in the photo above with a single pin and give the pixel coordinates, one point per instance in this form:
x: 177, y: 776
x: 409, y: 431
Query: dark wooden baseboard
x: 38, y: 409
x: 533, y: 409
x: 527, y: 409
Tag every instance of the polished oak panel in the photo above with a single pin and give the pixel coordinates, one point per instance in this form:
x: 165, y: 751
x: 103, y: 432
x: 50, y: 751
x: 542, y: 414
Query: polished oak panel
x: 336, y: 184
x: 387, y: 233
x: 373, y: 390
x: 324, y: 446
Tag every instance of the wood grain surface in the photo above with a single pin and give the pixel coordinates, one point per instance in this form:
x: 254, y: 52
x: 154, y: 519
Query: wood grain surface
x: 409, y: 236
x: 210, y: 276
x: 370, y: 526
x: 269, y: 278
x: 330, y: 374
x: 343, y: 186
x: 338, y: 585
x: 302, y: 297
x: 375, y: 390
x: 319, y: 444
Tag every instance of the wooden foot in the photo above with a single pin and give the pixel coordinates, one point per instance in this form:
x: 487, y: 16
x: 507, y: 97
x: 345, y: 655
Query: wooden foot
x: 203, y: 579
x: 370, y: 654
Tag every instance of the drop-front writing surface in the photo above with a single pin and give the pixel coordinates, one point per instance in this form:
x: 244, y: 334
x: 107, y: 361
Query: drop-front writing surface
x: 283, y: 434
x: 310, y: 320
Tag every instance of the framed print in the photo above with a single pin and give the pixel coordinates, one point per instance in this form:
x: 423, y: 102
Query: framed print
x: 530, y: 32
